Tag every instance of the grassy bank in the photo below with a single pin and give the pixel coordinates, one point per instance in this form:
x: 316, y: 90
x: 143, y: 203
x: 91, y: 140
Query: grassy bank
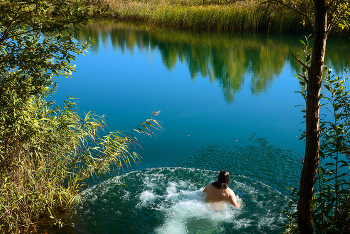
x: 214, y: 15
x: 206, y: 15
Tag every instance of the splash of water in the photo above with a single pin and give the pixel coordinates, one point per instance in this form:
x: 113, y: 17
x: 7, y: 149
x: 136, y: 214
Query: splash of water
x: 170, y: 200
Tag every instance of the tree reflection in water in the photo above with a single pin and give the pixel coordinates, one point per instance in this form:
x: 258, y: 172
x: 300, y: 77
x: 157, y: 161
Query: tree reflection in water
x: 220, y: 56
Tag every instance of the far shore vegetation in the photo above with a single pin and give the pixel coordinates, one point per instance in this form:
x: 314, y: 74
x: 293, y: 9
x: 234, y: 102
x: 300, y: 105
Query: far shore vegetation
x: 213, y: 15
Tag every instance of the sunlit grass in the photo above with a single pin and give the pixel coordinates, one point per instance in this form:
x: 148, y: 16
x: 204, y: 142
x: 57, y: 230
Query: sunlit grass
x: 216, y: 15
x: 48, y: 169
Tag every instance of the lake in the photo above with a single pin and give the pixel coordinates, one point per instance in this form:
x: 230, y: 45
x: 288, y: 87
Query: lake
x: 227, y: 102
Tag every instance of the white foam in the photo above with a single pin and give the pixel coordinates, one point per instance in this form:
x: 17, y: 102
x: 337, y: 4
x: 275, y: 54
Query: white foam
x: 126, y: 196
x: 190, y: 213
x: 172, y: 191
x: 175, y: 196
x: 146, y: 198
x: 242, y: 223
x: 266, y: 222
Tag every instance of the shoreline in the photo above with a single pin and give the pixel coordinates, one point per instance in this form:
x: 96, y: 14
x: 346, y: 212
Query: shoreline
x: 240, y: 16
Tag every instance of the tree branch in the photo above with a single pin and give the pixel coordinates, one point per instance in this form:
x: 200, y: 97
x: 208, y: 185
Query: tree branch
x: 3, y: 38
x: 302, y: 64
x: 298, y: 11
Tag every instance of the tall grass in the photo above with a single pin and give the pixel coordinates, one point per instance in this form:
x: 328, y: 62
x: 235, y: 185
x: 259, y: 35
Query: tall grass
x: 216, y: 15
x: 57, y: 151
x: 219, y: 18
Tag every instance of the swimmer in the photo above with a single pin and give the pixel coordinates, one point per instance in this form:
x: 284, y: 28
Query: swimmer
x: 219, y: 191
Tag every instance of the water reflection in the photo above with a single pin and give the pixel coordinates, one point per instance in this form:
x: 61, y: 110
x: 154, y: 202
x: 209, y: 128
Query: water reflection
x: 227, y: 58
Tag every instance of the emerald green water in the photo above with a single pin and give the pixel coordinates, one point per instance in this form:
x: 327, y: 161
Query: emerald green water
x: 227, y: 101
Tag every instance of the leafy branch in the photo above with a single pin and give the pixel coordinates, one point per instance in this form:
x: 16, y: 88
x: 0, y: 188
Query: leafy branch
x: 144, y: 127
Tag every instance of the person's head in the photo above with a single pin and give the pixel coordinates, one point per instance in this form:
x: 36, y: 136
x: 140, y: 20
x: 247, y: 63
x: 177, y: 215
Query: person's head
x: 223, y: 178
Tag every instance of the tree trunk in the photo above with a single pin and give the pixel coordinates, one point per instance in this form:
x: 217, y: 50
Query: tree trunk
x: 310, y: 164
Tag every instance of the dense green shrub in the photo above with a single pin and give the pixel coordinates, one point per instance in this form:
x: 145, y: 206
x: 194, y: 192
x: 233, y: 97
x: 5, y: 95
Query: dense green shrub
x: 47, y: 152
x: 331, y: 200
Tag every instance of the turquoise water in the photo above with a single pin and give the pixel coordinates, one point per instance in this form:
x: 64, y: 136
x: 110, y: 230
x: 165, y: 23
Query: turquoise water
x: 227, y: 101
x: 170, y: 199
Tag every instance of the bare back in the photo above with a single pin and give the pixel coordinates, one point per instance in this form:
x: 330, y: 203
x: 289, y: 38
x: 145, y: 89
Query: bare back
x: 218, y: 195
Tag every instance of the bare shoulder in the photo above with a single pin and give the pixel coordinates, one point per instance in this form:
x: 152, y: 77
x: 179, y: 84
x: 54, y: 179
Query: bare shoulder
x: 230, y: 191
x: 206, y: 188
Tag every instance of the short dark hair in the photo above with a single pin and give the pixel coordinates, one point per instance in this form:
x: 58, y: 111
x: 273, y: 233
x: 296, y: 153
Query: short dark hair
x: 223, y: 179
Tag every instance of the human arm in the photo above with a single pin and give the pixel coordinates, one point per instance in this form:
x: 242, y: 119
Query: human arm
x: 232, y: 199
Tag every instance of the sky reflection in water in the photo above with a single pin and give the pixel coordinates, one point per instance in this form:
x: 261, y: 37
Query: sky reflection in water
x: 227, y: 101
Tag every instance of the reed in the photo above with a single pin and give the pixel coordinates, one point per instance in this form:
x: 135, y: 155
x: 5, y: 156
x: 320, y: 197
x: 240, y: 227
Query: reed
x: 214, y: 15
x: 46, y: 168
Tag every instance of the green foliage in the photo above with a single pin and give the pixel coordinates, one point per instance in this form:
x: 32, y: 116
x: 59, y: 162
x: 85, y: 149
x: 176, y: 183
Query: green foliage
x: 306, y: 55
x: 61, y: 153
x: 291, y: 213
x: 332, y: 193
x: 322, y: 15
x: 331, y: 201
x: 33, y: 50
x: 47, y: 152
x: 338, y: 16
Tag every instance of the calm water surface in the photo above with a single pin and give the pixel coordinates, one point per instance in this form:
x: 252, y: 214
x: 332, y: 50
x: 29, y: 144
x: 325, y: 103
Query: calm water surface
x: 227, y: 101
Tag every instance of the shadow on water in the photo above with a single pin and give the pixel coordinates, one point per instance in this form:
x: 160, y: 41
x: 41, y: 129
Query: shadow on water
x: 169, y: 199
